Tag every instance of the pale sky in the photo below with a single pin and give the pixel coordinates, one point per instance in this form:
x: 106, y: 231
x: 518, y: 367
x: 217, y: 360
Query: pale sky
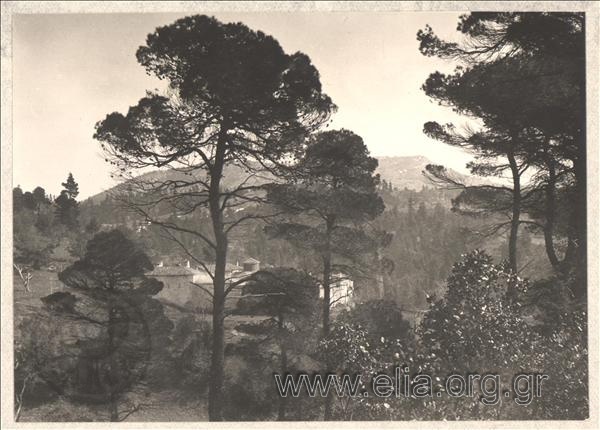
x: 71, y: 70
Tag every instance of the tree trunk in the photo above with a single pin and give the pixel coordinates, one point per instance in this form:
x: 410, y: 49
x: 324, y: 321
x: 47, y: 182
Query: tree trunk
x: 379, y: 280
x: 580, y: 207
x: 326, y: 293
x: 326, y: 324
x: 19, y: 398
x: 112, y: 362
x: 283, y: 368
x: 327, y: 302
x: 516, y: 212
x: 215, y: 400
x: 330, y: 223
x: 114, y: 412
x: 215, y: 394
x: 579, y: 229
x: 550, y: 209
x: 575, y: 260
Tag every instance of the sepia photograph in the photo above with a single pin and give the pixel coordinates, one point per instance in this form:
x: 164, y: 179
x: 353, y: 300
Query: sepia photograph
x: 299, y: 212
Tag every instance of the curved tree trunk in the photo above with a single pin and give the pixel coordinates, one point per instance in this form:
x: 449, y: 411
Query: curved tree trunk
x: 550, y: 209
x: 516, y: 212
x: 575, y: 260
x: 579, y: 218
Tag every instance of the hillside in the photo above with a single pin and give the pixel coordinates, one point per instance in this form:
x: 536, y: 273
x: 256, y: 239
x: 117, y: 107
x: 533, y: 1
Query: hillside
x: 232, y: 175
x: 402, y: 172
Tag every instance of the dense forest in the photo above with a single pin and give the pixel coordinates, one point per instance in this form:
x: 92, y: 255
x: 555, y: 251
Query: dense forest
x: 479, y: 273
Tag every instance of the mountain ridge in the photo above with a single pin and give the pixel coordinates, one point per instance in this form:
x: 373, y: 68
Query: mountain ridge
x: 401, y: 171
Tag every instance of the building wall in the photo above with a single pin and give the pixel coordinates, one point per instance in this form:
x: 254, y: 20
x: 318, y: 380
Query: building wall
x: 179, y: 291
x: 342, y: 291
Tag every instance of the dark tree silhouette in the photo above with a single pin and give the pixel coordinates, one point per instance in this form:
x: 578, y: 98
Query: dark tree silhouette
x: 67, y: 208
x: 40, y: 198
x: 32, y: 235
x: 333, y: 193
x: 525, y: 77
x: 235, y: 98
x: 497, y: 152
x: 108, y: 289
x: 331, y: 197
x: 290, y: 297
x: 71, y: 187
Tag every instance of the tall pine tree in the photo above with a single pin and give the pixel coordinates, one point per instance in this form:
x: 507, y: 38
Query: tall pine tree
x: 67, y: 208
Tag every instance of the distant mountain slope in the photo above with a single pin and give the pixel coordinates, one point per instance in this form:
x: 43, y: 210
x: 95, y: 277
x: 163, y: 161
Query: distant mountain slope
x: 232, y: 175
x: 407, y: 172
x: 402, y: 172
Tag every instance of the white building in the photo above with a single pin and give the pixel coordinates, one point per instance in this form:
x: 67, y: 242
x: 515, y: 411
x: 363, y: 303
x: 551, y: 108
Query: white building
x: 341, y: 288
x: 189, y: 287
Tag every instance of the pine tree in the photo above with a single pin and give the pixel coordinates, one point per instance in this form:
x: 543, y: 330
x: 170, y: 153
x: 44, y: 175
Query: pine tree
x: 235, y: 98
x: 67, y: 208
x: 71, y: 187
x: 108, y: 288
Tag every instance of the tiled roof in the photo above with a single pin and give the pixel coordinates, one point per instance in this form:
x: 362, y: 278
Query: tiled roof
x: 172, y: 271
x: 231, y: 269
x: 228, y: 267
